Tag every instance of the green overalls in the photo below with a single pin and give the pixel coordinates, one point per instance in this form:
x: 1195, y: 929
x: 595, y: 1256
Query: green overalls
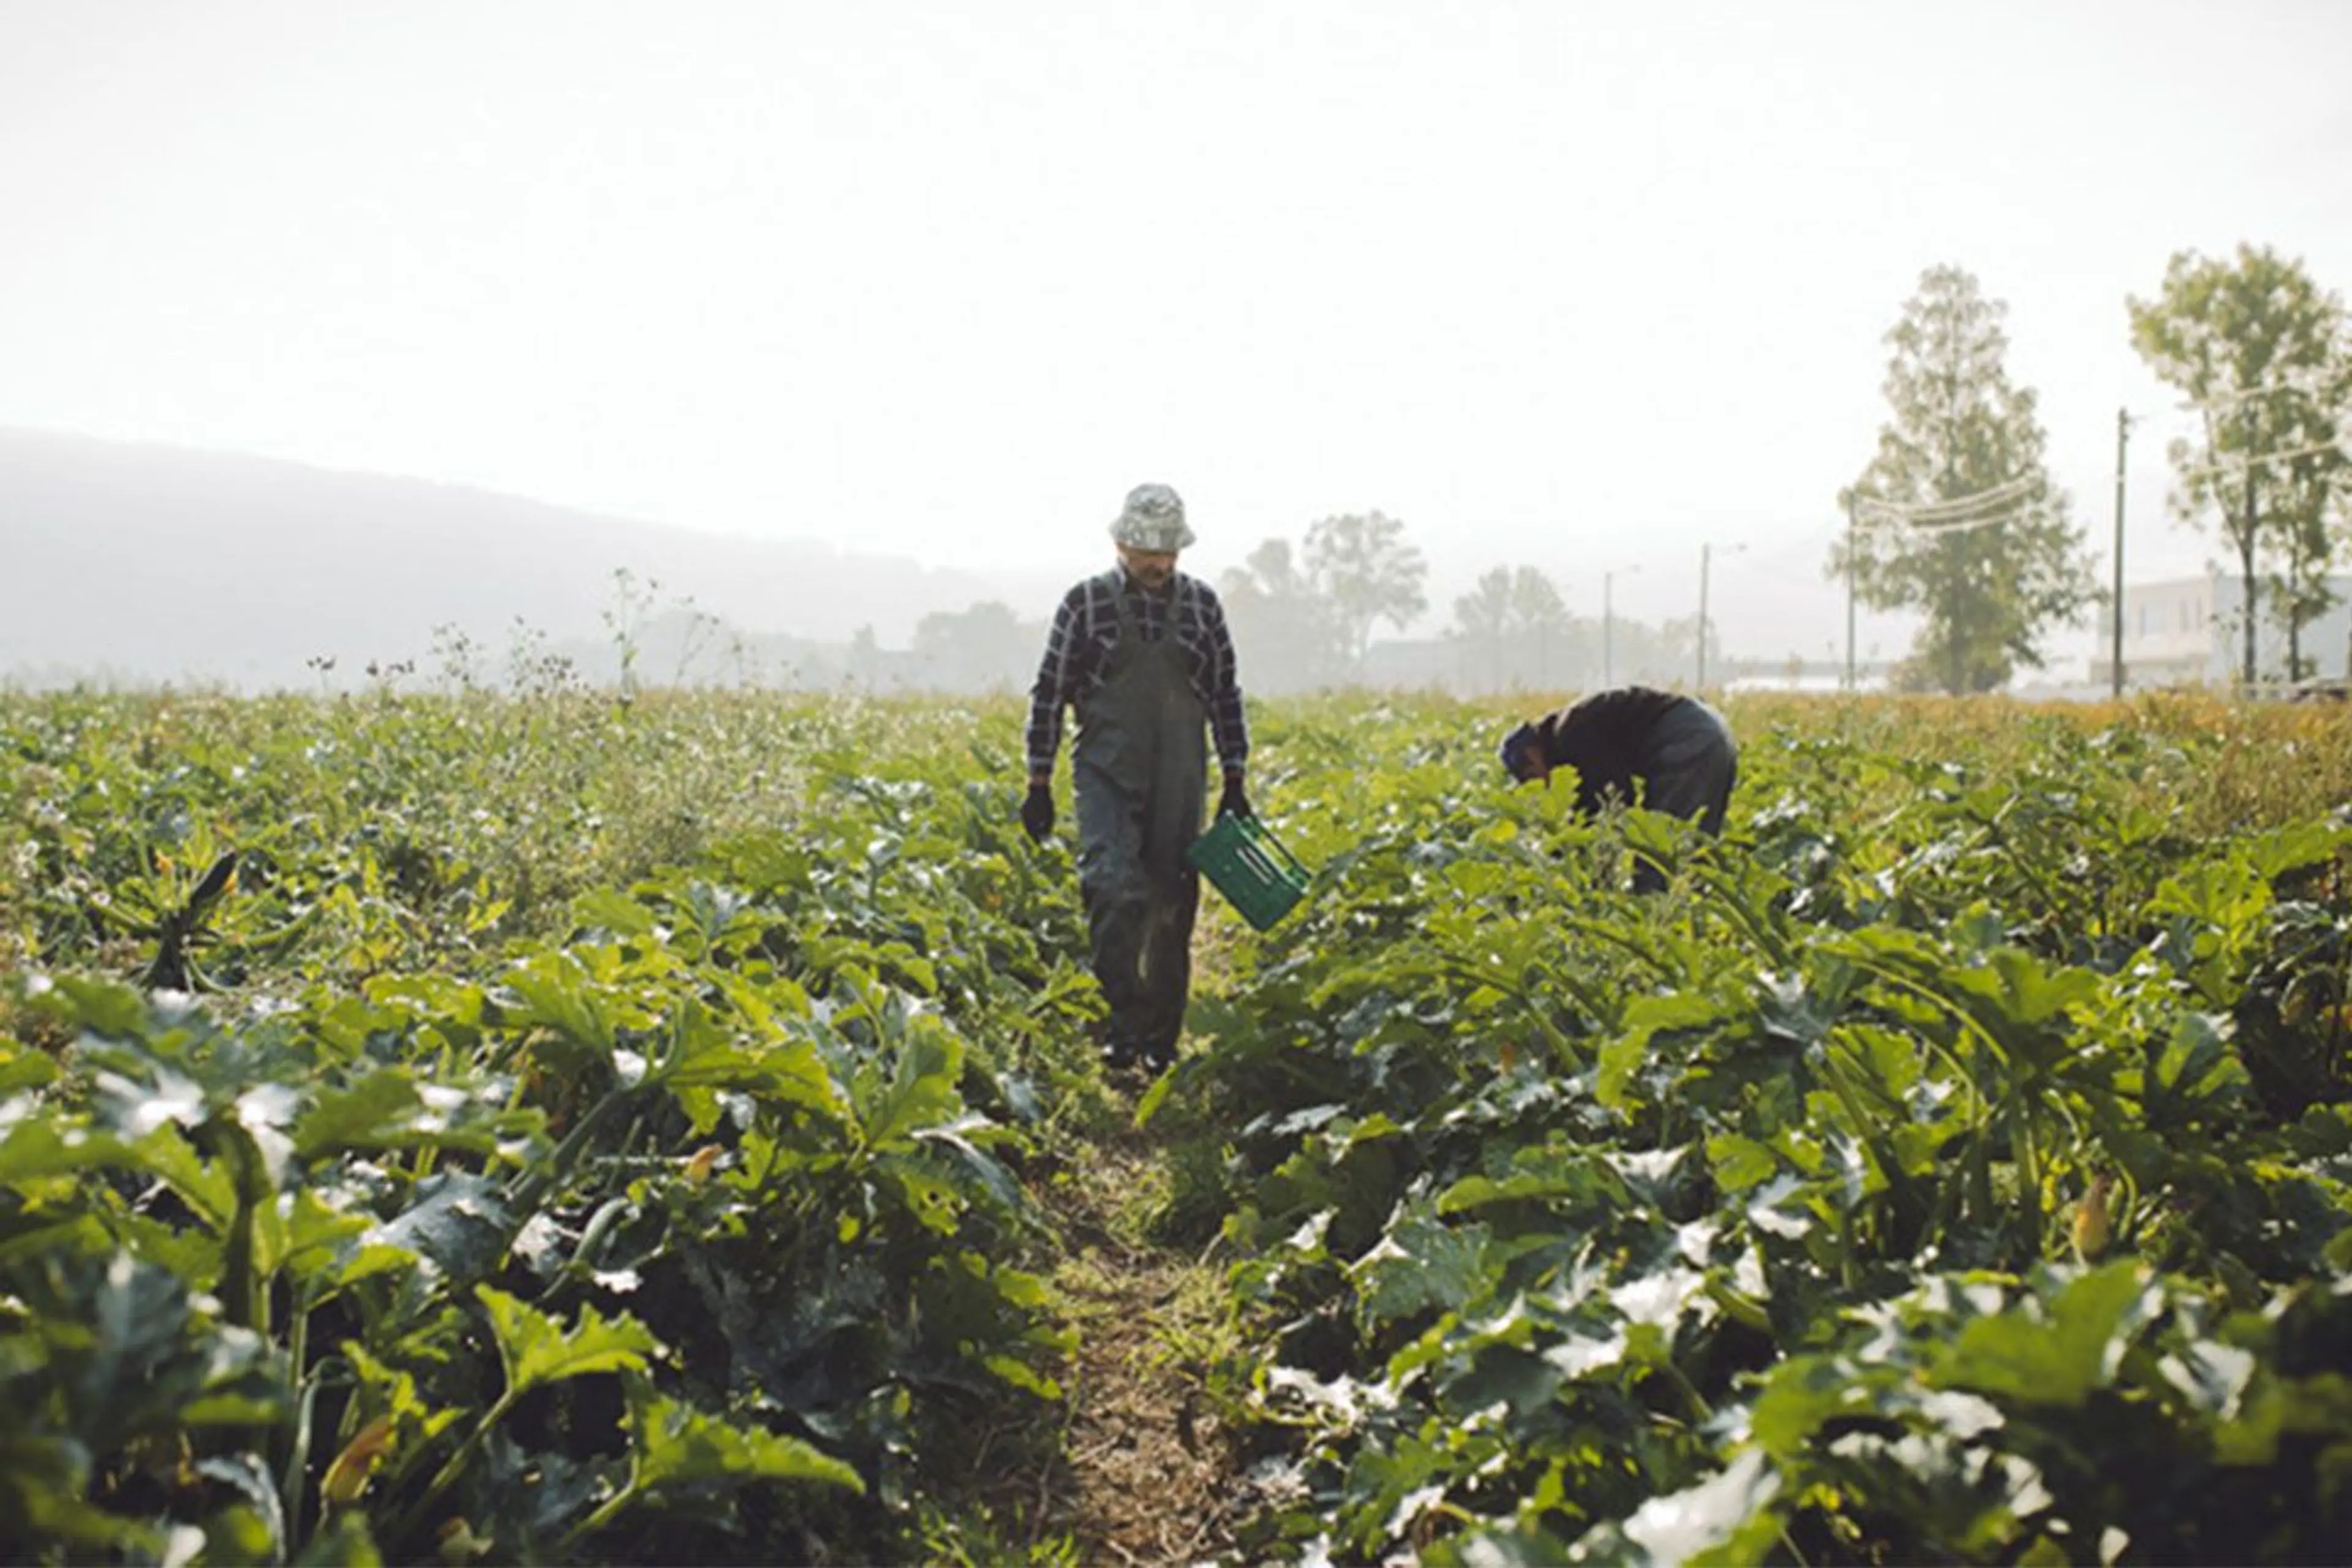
x: 1139, y: 772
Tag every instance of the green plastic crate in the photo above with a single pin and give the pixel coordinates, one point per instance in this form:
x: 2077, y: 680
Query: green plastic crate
x: 1257, y: 876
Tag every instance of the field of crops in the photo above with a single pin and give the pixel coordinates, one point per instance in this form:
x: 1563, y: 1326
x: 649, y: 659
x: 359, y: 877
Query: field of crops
x: 477, y: 1127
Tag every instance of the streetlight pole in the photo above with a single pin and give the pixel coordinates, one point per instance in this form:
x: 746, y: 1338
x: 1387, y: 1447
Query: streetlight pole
x: 2123, y: 435
x: 1705, y: 551
x: 1853, y: 543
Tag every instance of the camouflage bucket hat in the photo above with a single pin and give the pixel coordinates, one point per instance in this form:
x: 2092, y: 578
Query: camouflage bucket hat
x: 1153, y: 520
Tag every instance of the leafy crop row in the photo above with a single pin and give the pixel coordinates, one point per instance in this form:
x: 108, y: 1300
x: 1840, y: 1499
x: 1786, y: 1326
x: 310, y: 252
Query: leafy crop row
x: 458, y: 1224
x: 1953, y: 1166
x: 493, y: 1129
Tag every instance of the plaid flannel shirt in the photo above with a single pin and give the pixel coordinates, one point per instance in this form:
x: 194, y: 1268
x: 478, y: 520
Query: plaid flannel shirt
x: 1077, y: 655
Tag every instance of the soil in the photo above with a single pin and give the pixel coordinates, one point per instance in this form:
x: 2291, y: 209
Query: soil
x: 1133, y: 1466
x: 1138, y: 1471
x: 1148, y: 1479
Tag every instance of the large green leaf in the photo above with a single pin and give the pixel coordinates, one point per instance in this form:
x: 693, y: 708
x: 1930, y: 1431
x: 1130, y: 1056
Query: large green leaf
x: 2021, y: 1001
x: 2192, y: 1064
x: 22, y: 1068
x: 40, y: 1146
x: 45, y: 1479
x: 535, y: 1349
x: 305, y: 1234
x: 920, y: 1092
x: 556, y: 994
x: 675, y: 1445
x: 205, y: 1186
x: 1723, y: 1520
x: 1802, y: 1395
x: 2055, y: 1355
x: 457, y: 1219
x: 249, y: 1478
x: 701, y: 1054
x: 365, y: 1115
x: 978, y: 1163
x: 1644, y: 1021
x: 1421, y: 1263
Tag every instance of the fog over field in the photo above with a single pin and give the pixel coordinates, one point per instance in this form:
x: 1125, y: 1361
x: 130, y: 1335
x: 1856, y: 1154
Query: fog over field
x: 325, y: 326
x: 147, y: 563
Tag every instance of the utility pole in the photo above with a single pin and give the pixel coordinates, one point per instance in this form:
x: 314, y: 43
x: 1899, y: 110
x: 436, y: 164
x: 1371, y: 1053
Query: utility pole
x: 1853, y: 543
x: 2123, y: 435
x: 1608, y: 626
x: 1705, y: 551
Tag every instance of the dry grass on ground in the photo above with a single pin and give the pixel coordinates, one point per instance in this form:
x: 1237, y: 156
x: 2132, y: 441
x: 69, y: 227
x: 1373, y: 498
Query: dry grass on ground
x: 1131, y: 1466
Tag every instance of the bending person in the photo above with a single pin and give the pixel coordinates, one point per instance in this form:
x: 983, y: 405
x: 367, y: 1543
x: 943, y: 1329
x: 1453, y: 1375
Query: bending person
x: 1668, y: 752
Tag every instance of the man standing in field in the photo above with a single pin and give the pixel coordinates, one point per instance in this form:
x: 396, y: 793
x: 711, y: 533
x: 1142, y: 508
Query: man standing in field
x: 1143, y: 653
x: 1675, y: 750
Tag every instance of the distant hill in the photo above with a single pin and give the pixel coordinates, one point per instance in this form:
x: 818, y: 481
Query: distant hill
x: 144, y: 563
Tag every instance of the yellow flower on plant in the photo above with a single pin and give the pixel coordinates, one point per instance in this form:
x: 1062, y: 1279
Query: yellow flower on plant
x: 2093, y: 1219
x: 348, y: 1476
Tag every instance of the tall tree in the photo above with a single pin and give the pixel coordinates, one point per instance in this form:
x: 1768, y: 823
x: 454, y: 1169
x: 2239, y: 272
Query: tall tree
x: 1283, y: 630
x: 984, y: 648
x: 865, y: 658
x: 1540, y: 624
x: 2304, y: 528
x: 1365, y: 570
x: 1991, y: 576
x: 1482, y: 624
x: 1513, y: 629
x: 1649, y: 655
x: 2259, y: 349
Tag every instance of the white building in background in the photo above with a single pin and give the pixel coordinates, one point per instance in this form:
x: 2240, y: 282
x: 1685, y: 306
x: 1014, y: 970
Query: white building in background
x: 2188, y: 631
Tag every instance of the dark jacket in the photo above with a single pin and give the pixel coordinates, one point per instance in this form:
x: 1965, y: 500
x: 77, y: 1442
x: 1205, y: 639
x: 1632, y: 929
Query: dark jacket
x: 1606, y: 738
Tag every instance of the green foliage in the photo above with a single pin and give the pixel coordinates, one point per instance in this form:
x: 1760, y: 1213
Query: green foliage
x: 2262, y: 353
x: 1743, y: 1222
x: 466, y: 1223
x: 1951, y: 1164
x: 1515, y: 631
x: 985, y: 647
x: 1993, y: 579
x: 1366, y: 572
x: 1283, y: 616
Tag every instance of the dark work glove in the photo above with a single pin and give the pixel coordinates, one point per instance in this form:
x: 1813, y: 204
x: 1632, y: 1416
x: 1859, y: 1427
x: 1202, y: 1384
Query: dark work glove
x: 1234, y: 803
x: 1037, y: 812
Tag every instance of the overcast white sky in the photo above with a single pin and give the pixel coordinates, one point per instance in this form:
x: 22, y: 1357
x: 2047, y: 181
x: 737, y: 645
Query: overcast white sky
x: 1582, y: 284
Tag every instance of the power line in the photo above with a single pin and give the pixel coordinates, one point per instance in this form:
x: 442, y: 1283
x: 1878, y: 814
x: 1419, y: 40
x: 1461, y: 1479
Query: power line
x: 2316, y: 447
x: 1959, y: 525
x: 2308, y: 385
x: 1944, y: 524
x: 1953, y: 510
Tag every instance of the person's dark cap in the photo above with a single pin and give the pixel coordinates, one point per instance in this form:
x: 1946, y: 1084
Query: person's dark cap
x: 1519, y: 750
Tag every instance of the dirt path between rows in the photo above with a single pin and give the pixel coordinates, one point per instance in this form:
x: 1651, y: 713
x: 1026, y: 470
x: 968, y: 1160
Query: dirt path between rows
x: 1141, y: 1476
